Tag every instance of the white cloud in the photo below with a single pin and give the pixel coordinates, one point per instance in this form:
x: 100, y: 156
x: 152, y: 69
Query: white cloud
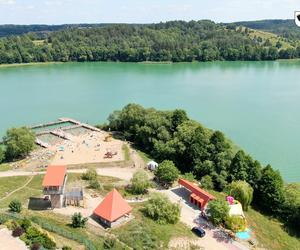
x: 7, y: 2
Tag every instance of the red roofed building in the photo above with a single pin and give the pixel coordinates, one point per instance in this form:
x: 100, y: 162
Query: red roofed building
x: 113, y: 209
x: 54, y: 184
x: 198, y: 196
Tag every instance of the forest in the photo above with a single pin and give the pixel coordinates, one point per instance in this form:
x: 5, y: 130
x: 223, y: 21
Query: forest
x: 208, y: 155
x: 175, y: 41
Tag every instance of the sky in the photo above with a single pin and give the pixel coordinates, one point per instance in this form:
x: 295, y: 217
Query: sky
x: 142, y: 11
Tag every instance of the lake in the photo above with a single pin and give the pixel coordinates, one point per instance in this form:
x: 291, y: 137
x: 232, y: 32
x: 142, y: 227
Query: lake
x: 256, y: 104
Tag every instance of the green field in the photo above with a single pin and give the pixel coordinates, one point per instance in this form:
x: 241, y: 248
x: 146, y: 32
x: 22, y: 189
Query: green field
x: 144, y: 233
x: 270, y: 233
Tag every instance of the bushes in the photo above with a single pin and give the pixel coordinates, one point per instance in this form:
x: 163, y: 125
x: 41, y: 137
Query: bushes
x: 94, y: 184
x: 31, y: 235
x: 66, y: 248
x: 78, y: 220
x: 34, y: 235
x: 15, y: 206
x: 25, y: 223
x: 235, y: 223
x: 218, y: 211
x: 90, y: 174
x: 139, y: 182
x: 109, y: 243
x: 17, y: 232
x: 161, y: 209
x: 92, y: 177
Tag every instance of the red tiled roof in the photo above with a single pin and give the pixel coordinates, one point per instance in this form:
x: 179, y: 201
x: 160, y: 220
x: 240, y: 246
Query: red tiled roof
x: 55, y: 176
x: 196, y: 190
x: 112, y: 207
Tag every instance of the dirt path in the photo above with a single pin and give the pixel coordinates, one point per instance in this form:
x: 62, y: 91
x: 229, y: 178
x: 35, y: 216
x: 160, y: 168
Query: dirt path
x: 18, y: 189
x: 121, y: 173
x: 137, y: 160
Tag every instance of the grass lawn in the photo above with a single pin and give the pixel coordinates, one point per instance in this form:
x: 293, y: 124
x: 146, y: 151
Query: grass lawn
x: 5, y: 167
x: 34, y: 188
x: 62, y: 241
x: 270, y: 233
x: 8, y: 184
x: 125, y: 149
x: 144, y: 233
x: 146, y: 158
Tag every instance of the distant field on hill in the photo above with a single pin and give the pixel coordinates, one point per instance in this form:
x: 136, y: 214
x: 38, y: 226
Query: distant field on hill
x: 285, y: 28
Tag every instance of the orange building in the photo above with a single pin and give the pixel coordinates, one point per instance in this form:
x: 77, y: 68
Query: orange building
x: 113, y: 209
x: 198, y: 196
x: 54, y: 184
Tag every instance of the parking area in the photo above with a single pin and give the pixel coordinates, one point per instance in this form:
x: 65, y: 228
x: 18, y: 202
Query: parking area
x: 215, y: 238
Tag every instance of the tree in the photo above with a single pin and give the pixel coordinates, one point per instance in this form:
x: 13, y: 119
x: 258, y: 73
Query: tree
x: 206, y: 182
x: 19, y: 142
x: 139, y: 182
x: 178, y: 117
x: 161, y: 209
x: 269, y: 194
x: 90, y: 174
x: 166, y: 173
x: 78, y: 220
x: 239, y: 166
x: 2, y: 154
x: 242, y: 192
x: 291, y: 207
x: 218, y: 211
x: 15, y: 206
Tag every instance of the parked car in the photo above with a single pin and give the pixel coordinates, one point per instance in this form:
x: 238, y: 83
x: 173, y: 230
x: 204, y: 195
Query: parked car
x: 198, y: 231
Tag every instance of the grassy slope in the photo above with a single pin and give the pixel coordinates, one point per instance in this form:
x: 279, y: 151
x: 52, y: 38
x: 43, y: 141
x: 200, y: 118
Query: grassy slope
x: 273, y: 38
x: 270, y: 233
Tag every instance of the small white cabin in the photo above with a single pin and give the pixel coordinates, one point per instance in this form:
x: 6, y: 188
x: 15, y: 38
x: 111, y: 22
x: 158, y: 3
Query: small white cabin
x: 152, y: 165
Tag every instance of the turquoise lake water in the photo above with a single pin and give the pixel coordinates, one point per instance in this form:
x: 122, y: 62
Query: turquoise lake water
x: 256, y: 104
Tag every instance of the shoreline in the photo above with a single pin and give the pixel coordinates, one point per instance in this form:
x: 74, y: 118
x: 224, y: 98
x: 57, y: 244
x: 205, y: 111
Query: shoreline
x: 28, y: 64
x: 143, y: 62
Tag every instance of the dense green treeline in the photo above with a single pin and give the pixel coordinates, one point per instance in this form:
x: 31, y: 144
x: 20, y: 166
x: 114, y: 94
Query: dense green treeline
x: 176, y: 41
x: 40, y: 29
x: 171, y: 135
